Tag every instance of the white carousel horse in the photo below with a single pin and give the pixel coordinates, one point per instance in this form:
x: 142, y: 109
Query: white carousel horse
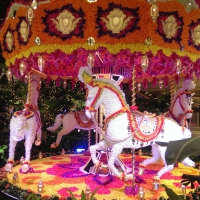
x: 69, y: 122
x: 181, y: 106
x: 125, y: 129
x: 24, y: 124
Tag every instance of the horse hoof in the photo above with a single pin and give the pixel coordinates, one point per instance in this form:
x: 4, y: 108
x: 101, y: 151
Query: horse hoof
x: 8, y: 167
x: 54, y: 145
x: 25, y: 167
x: 37, y: 142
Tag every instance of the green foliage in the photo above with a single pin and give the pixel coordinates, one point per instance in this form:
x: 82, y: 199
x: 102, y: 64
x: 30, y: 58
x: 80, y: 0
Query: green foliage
x: 2, y: 149
x: 53, y: 99
x: 83, y: 195
x: 171, y: 194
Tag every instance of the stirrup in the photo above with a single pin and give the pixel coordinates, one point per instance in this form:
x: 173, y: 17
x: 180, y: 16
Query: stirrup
x: 54, y: 145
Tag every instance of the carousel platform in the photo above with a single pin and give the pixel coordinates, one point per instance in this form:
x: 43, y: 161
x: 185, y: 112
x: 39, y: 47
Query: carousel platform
x: 67, y: 171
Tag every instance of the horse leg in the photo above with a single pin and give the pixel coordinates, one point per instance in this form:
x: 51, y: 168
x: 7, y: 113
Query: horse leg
x: 10, y: 162
x: 155, y: 156
x: 99, y: 146
x: 166, y: 168
x: 62, y: 132
x: 188, y: 162
x: 38, y: 140
x: 115, y: 151
x: 69, y: 124
x: 28, y: 146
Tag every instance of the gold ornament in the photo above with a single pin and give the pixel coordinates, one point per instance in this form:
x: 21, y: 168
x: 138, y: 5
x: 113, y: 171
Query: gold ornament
x: 91, y: 41
x: 30, y: 15
x: 154, y: 11
x: 9, y: 40
x: 24, y: 29
x: 148, y: 41
x: 90, y: 61
x: 170, y: 26
x: 144, y: 63
x: 65, y: 22
x: 116, y: 21
x: 196, y: 35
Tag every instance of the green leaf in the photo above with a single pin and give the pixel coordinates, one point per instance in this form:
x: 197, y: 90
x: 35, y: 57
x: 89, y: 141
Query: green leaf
x: 178, y: 150
x: 72, y: 195
x: 83, y: 197
x: 93, y: 193
x: 171, y: 194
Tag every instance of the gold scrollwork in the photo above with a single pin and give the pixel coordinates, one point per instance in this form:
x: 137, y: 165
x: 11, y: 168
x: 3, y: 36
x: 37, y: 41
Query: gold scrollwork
x: 170, y: 26
x: 65, y: 22
x: 196, y: 35
x: 116, y: 21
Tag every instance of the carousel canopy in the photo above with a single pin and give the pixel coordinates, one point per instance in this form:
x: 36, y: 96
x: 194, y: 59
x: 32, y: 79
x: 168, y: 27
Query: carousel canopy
x: 160, y: 40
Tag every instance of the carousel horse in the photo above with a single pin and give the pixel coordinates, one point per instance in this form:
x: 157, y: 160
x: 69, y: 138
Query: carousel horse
x: 181, y: 106
x: 69, y: 122
x: 125, y: 128
x: 26, y: 125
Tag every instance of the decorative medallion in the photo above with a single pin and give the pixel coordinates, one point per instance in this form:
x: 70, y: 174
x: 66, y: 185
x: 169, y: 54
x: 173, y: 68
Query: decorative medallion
x: 194, y: 34
x: 117, y: 21
x: 24, y: 31
x: 65, y: 22
x: 8, y: 41
x: 170, y: 26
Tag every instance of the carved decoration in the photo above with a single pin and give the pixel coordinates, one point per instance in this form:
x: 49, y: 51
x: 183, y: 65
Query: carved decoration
x: 196, y: 35
x: 65, y: 22
x: 24, y: 30
x: 117, y: 21
x: 170, y: 26
x: 9, y: 41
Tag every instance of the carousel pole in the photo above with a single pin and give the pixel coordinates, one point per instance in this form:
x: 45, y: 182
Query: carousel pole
x: 133, y: 104
x: 172, y: 89
x: 133, y: 189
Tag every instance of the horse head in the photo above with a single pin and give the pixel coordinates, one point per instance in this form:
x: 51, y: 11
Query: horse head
x: 20, y: 126
x: 181, y: 106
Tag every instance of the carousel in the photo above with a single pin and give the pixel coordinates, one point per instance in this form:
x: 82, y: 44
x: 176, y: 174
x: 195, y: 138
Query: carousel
x: 101, y: 45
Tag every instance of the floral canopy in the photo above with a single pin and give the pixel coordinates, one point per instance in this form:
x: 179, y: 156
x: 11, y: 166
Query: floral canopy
x: 159, y: 40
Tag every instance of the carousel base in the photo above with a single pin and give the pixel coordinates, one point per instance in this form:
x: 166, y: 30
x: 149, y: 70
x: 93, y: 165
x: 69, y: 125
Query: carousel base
x: 65, y: 171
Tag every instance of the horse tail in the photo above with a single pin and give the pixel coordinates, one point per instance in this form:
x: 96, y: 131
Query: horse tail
x: 57, y: 123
